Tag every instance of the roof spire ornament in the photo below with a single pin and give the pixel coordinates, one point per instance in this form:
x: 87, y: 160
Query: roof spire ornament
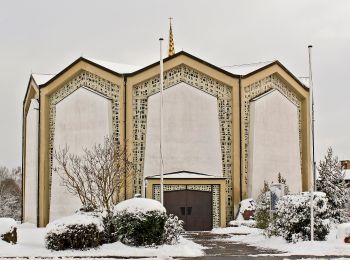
x: 171, y: 50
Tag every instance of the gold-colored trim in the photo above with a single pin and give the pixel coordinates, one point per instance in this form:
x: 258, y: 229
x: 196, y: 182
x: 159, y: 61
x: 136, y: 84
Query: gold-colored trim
x: 303, y: 96
x: 44, y: 127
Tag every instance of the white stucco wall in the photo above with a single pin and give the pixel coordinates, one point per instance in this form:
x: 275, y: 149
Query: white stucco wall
x: 83, y: 119
x: 191, y: 132
x: 273, y: 143
x: 31, y: 164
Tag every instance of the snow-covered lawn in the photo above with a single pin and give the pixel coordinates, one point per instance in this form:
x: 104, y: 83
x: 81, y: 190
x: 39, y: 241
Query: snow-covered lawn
x: 31, y: 243
x: 255, y: 237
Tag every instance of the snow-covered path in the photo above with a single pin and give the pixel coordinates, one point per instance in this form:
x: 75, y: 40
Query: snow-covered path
x: 254, y: 237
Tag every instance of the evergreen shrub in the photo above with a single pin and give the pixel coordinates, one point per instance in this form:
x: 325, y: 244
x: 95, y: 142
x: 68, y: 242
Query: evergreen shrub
x: 263, y: 204
x: 262, y: 213
x: 74, y: 232
x: 140, y: 228
x: 292, y: 218
x: 144, y: 222
x: 108, y: 233
x: 331, y: 182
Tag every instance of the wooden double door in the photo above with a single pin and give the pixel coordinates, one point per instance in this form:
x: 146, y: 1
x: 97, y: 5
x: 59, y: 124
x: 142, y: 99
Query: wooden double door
x: 193, y: 207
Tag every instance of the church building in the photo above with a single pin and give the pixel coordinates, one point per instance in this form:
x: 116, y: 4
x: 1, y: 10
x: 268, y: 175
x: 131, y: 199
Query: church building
x: 226, y: 131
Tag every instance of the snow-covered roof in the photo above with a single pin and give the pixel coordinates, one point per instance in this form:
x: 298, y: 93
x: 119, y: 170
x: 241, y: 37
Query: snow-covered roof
x: 245, y: 69
x: 241, y: 70
x: 304, y: 80
x: 42, y: 78
x: 185, y: 175
x: 116, y: 67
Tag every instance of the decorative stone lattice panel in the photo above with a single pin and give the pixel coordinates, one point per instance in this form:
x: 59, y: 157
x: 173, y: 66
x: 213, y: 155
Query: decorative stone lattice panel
x: 252, y: 91
x: 183, y: 73
x: 90, y: 81
x: 214, y: 189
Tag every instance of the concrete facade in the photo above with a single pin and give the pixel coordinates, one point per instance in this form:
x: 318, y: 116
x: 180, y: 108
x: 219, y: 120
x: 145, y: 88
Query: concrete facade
x: 202, y: 97
x: 191, y: 132
x: 274, y: 144
x: 83, y: 119
x: 31, y: 177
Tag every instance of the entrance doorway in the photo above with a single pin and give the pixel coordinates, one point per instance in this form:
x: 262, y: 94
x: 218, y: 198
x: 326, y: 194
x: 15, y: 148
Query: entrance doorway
x: 193, y: 207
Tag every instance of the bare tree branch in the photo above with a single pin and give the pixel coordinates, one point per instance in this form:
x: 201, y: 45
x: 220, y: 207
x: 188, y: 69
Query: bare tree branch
x: 96, y: 176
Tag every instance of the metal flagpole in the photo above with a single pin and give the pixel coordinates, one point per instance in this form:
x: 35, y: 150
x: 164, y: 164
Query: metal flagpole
x: 161, y: 124
x: 311, y: 98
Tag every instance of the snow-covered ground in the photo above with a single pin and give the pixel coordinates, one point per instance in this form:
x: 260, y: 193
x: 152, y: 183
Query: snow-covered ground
x: 31, y: 244
x: 255, y: 237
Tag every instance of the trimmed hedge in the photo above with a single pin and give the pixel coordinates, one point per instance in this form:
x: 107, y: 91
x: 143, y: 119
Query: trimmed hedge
x: 140, y: 228
x: 74, y: 232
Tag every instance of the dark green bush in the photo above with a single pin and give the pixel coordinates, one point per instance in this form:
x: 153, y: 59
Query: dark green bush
x: 292, y: 218
x: 140, y: 228
x: 108, y: 233
x: 74, y: 232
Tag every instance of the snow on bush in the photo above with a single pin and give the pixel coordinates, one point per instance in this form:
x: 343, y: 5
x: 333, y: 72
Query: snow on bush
x: 108, y: 234
x: 343, y: 232
x: 292, y: 218
x: 74, y: 232
x: 173, y: 228
x: 331, y: 182
x: 144, y: 222
x: 139, y: 205
x: 139, y: 222
x: 8, y: 230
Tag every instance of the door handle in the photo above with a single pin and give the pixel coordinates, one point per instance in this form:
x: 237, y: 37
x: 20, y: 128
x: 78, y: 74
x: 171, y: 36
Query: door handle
x: 189, y: 210
x: 182, y: 210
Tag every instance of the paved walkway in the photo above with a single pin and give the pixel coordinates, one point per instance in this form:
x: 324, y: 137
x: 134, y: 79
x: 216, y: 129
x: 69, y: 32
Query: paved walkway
x: 217, y: 247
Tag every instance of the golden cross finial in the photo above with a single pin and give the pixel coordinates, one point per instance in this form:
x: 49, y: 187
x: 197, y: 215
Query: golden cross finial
x: 171, y: 50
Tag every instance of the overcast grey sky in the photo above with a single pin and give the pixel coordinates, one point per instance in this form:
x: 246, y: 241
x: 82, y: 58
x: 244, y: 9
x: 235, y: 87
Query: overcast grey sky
x: 45, y: 36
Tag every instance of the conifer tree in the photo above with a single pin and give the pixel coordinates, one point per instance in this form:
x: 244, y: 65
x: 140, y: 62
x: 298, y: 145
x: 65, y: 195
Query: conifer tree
x: 331, y: 182
x: 262, y: 213
x: 263, y: 203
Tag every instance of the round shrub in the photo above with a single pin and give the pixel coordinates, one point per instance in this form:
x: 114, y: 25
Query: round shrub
x: 74, y: 232
x: 108, y: 233
x: 139, y: 222
x: 292, y: 218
